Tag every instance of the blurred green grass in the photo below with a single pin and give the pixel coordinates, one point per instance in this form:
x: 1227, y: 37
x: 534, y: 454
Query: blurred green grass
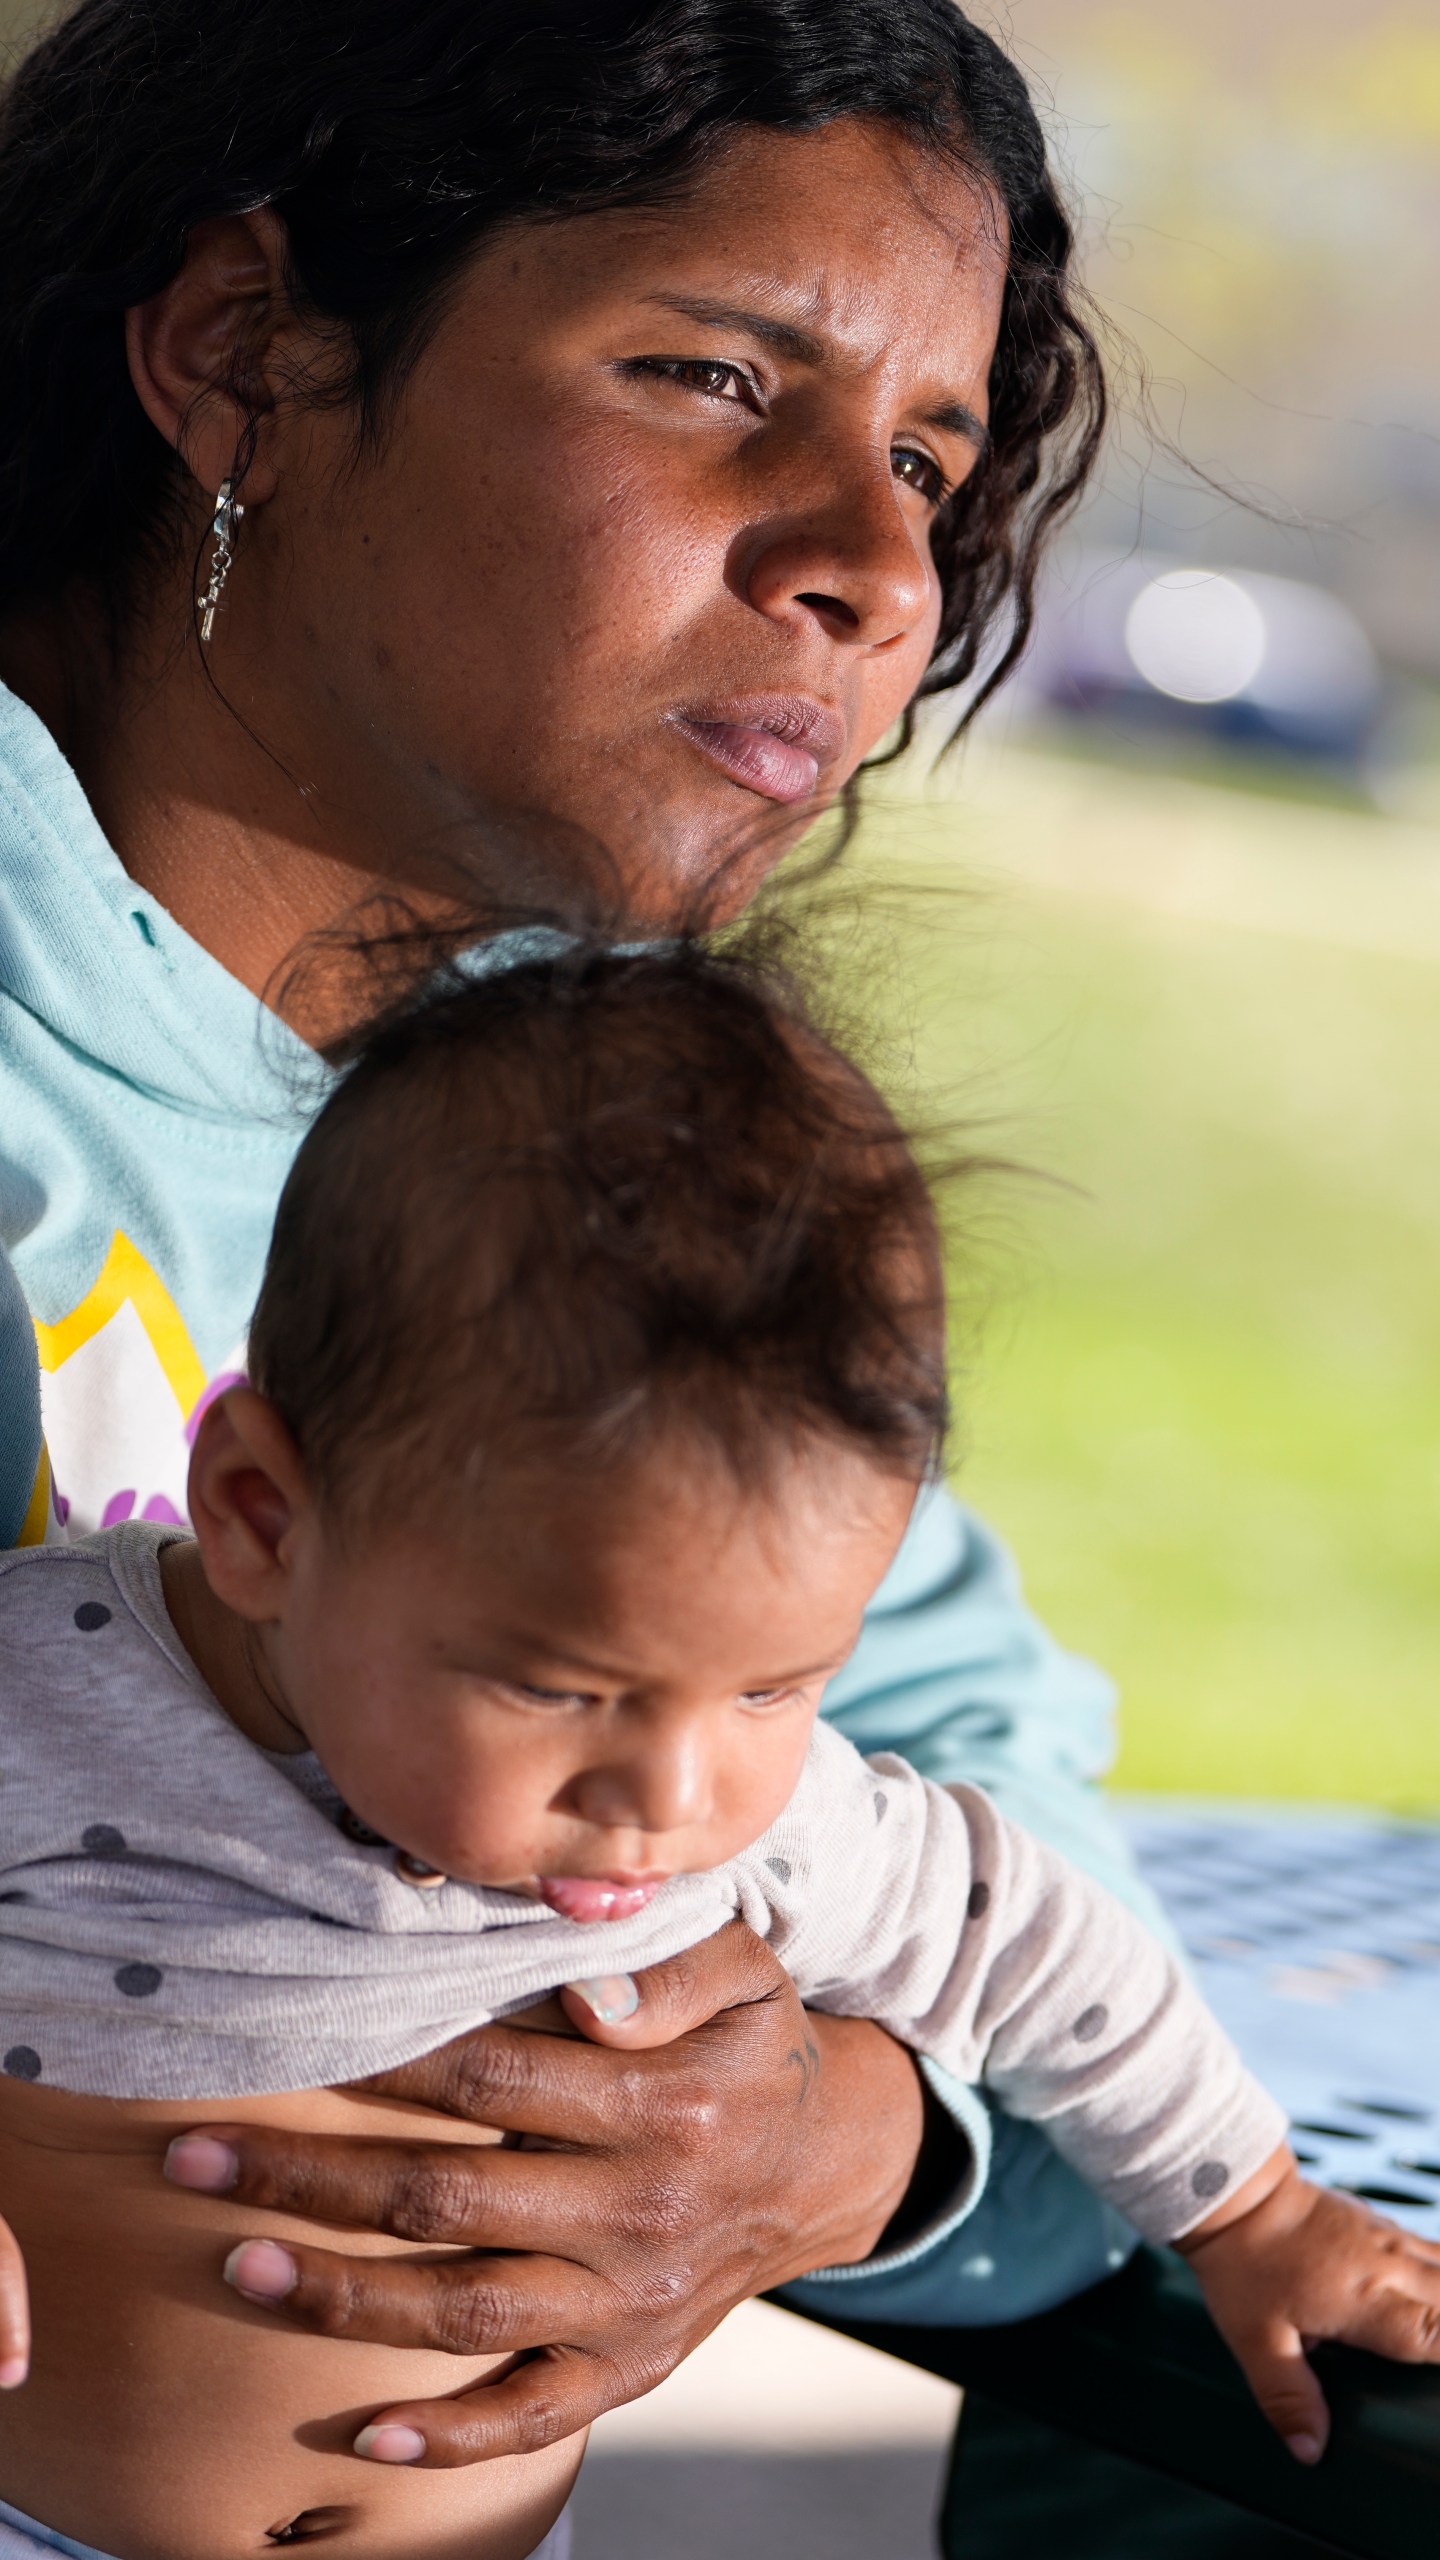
x: 1206, y: 1404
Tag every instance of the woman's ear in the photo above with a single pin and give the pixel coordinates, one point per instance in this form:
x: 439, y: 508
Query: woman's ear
x: 249, y: 1495
x: 203, y: 351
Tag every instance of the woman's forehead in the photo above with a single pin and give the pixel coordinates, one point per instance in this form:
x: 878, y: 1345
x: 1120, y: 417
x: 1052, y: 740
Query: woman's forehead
x: 820, y: 245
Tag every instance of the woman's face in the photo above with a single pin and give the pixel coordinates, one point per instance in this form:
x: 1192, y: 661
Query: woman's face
x: 647, y: 544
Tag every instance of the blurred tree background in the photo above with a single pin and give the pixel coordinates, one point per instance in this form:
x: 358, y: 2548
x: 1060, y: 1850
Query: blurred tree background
x: 1261, y: 197
x: 1206, y: 1406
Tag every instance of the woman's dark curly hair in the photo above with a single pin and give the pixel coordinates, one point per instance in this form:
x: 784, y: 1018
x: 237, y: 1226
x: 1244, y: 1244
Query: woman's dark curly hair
x: 392, y: 138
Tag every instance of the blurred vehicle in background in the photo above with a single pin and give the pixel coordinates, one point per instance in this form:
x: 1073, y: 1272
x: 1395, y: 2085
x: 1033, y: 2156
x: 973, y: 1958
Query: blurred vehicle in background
x: 1151, y: 647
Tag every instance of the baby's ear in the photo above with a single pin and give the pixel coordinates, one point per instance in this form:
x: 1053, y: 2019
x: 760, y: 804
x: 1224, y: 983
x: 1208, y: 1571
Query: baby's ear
x: 248, y: 1493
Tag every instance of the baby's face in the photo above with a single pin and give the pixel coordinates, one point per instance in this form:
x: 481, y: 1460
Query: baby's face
x: 595, y: 1682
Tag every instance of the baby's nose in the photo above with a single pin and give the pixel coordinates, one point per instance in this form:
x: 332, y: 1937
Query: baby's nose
x: 662, y: 1789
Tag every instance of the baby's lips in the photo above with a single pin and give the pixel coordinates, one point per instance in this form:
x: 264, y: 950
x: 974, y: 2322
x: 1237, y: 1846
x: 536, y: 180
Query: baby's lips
x: 595, y: 1897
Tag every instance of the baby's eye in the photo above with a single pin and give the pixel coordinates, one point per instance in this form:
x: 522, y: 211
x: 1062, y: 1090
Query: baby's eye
x: 920, y: 471
x: 538, y: 1697
x: 766, y: 1697
x: 709, y: 375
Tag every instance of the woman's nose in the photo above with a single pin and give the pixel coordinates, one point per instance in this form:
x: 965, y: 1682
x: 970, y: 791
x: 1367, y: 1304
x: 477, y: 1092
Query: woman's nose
x: 850, y: 557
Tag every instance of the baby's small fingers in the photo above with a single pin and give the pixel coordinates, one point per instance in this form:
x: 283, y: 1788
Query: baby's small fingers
x: 1402, y: 2322
x: 1426, y: 2250
x: 14, y: 2312
x: 1288, y: 2395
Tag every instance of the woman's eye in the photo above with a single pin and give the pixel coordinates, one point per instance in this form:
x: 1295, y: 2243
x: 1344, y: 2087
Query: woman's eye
x: 706, y: 374
x: 920, y: 471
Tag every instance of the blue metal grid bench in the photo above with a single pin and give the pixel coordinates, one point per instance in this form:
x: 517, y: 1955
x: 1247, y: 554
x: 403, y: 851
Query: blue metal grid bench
x: 1118, y: 2428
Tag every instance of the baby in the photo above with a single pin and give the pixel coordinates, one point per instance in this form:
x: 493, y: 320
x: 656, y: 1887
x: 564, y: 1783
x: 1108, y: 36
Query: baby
x: 597, y: 1369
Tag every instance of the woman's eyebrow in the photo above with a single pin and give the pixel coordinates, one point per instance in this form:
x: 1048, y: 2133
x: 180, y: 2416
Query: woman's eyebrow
x: 801, y: 345
x: 955, y: 418
x: 950, y: 418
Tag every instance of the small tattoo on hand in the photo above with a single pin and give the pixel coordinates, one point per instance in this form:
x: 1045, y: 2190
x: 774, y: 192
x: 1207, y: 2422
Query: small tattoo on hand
x: 807, y: 2063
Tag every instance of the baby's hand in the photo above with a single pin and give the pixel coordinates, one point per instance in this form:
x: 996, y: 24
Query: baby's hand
x: 14, y: 2312
x: 1283, y: 2264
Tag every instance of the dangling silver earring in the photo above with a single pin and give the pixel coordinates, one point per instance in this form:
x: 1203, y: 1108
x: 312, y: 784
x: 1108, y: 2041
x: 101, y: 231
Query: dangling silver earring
x: 228, y: 512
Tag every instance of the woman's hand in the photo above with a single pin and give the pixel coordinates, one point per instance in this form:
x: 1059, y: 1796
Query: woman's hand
x: 726, y: 2142
x: 14, y: 2312
x: 1284, y: 2264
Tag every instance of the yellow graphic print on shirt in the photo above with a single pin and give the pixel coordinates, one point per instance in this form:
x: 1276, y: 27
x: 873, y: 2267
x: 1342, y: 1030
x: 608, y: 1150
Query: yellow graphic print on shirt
x: 121, y: 1390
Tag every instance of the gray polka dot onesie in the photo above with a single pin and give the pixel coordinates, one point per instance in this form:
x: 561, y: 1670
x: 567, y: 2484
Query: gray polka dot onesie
x: 183, y: 1915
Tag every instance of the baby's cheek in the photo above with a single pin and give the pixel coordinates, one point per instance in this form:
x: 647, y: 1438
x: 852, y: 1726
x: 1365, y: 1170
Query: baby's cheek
x: 757, y: 1790
x: 473, y: 1816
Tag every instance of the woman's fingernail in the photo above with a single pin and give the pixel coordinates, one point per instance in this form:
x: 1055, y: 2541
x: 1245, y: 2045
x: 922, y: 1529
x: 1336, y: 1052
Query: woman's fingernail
x: 612, y: 1996
x: 262, y: 2271
x: 197, y: 2160
x: 389, y: 2444
x: 1305, y: 2448
x: 13, y: 2370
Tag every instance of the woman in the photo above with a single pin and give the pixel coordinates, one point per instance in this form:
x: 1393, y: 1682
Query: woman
x: 618, y: 413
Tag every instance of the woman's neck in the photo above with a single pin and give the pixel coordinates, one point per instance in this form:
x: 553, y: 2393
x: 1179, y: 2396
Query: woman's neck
x: 205, y: 803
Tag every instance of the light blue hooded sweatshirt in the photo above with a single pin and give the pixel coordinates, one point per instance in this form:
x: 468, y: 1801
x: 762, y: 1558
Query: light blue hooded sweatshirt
x: 149, y: 1111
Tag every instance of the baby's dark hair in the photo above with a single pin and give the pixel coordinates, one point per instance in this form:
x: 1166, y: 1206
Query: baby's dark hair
x: 571, y: 1202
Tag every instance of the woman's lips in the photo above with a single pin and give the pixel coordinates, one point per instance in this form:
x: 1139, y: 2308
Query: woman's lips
x: 596, y: 1897
x: 776, y: 748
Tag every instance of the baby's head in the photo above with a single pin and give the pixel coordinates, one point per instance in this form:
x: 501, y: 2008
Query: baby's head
x: 599, y: 1359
